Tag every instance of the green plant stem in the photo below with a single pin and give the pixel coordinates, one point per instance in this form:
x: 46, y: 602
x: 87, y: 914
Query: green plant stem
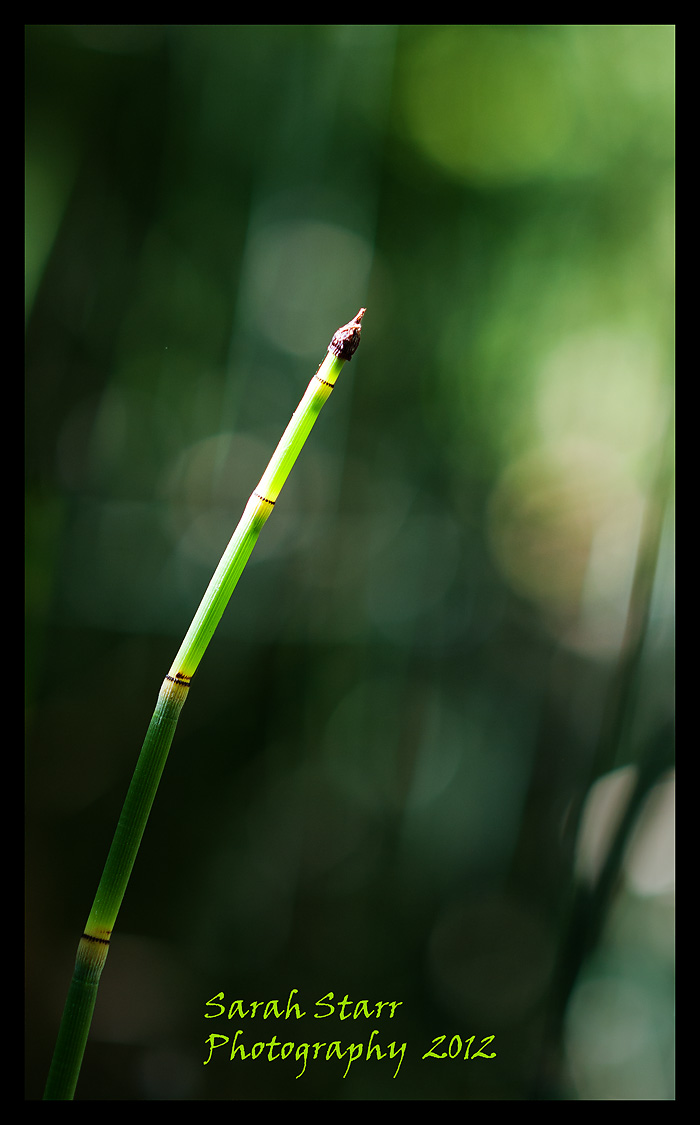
x: 94, y: 944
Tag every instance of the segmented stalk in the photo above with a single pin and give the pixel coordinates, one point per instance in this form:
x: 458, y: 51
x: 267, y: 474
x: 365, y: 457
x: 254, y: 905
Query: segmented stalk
x: 94, y: 944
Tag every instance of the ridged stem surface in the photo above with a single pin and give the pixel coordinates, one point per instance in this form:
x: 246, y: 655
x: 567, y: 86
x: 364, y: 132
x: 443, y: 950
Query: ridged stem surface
x: 94, y: 944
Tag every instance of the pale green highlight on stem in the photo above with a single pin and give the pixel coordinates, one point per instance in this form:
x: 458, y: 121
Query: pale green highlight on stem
x: 94, y: 944
x: 256, y: 512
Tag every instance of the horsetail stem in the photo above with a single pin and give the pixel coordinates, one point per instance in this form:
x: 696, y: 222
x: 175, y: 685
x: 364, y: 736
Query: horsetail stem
x: 94, y: 944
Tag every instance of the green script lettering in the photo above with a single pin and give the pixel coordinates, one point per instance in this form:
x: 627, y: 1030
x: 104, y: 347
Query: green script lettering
x: 302, y: 1052
x: 361, y: 1009
x: 241, y: 1048
x: 212, y: 1044
x: 211, y: 1004
x: 295, y: 1006
x: 334, y: 1049
x: 319, y: 1015
x: 393, y: 1004
x: 394, y: 1051
x: 374, y: 1047
x: 355, y: 1053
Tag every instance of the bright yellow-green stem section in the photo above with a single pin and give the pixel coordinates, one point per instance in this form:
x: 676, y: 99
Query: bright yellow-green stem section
x: 257, y: 510
x: 94, y: 944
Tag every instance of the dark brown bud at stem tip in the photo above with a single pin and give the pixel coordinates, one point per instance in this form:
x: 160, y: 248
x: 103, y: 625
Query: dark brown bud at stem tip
x: 345, y: 342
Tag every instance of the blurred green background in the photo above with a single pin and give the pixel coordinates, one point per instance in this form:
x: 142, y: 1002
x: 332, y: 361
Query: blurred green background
x: 428, y: 756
